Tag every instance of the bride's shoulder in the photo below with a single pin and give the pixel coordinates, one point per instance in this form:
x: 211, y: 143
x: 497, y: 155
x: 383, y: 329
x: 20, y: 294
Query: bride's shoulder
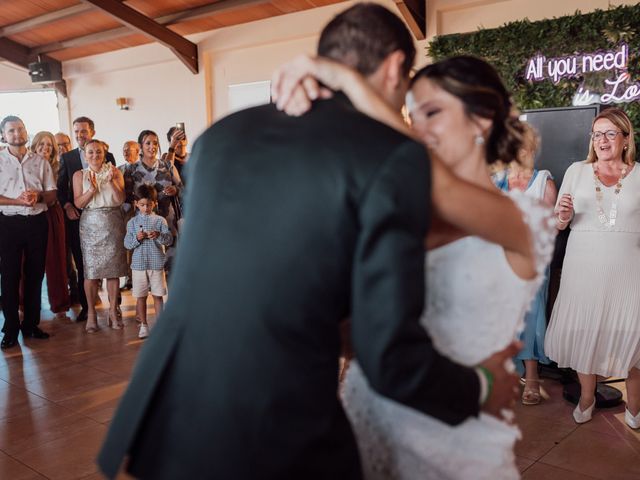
x: 539, y: 218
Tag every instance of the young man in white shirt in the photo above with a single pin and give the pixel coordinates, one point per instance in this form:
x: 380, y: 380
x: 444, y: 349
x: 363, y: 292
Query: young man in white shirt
x: 27, y: 186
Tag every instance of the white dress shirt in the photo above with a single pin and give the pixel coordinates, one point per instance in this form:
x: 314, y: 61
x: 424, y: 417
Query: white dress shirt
x: 33, y: 173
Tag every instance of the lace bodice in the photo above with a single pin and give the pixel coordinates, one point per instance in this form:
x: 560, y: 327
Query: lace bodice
x: 475, y: 303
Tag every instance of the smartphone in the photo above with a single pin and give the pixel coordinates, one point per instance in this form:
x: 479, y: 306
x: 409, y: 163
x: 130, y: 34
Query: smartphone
x: 180, y: 126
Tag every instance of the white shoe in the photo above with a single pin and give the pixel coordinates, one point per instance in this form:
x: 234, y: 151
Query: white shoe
x: 144, y: 331
x: 633, y: 422
x: 583, y: 416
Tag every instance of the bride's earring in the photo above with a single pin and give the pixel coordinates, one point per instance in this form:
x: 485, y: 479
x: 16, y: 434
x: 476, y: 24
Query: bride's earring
x: 479, y: 140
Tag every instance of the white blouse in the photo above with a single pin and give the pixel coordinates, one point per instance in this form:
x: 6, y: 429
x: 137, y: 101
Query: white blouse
x: 33, y: 173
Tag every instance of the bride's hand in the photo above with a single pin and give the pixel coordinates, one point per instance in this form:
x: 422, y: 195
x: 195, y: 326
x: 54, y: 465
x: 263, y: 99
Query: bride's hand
x: 297, y: 83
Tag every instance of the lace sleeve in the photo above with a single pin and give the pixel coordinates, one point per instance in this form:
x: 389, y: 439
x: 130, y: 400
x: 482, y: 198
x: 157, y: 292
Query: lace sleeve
x: 539, y: 218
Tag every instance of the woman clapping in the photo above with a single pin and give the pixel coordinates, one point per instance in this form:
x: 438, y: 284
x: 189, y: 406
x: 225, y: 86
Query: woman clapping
x: 102, y: 229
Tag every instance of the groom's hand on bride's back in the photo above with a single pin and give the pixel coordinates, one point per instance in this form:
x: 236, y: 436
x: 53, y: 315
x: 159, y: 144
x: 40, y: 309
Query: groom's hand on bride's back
x: 505, y: 389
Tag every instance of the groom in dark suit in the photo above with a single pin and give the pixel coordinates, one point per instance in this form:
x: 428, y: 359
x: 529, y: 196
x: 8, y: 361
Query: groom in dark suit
x: 299, y: 223
x: 70, y: 163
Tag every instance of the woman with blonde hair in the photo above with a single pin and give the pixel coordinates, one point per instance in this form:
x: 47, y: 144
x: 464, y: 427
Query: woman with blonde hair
x: 595, y: 324
x: 99, y: 193
x: 44, y: 144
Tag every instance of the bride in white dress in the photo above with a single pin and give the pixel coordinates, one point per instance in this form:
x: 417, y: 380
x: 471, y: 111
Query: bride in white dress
x: 478, y: 292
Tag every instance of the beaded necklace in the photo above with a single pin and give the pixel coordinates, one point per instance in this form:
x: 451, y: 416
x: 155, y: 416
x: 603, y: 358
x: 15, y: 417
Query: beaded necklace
x: 608, y: 222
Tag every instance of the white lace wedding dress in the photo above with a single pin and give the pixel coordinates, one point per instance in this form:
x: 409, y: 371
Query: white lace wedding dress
x: 475, y: 306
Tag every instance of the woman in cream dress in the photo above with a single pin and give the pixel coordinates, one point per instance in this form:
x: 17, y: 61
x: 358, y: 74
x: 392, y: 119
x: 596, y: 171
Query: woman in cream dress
x: 595, y: 324
x: 102, y: 229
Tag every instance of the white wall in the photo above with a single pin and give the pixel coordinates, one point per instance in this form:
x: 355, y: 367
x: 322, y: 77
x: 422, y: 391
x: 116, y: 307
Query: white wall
x: 13, y: 78
x: 161, y: 94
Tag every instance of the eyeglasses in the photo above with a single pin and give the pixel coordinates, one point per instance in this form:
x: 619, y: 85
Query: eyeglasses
x: 610, y: 134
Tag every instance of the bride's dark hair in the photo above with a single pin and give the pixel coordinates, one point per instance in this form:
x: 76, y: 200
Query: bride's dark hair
x: 477, y: 84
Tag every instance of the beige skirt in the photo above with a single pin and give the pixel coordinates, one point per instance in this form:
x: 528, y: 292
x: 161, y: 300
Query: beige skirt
x: 102, y: 232
x: 595, y: 324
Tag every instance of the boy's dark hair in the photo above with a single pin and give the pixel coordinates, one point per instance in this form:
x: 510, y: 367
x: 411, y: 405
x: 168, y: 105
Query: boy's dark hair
x: 85, y: 120
x: 146, y: 192
x: 364, y: 35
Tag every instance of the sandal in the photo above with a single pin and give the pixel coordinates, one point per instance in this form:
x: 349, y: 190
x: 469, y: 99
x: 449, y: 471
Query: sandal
x: 115, y: 323
x: 92, y: 324
x: 531, y: 395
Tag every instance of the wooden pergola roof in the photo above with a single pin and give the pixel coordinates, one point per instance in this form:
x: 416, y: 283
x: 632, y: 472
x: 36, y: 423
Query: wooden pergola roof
x: 59, y: 30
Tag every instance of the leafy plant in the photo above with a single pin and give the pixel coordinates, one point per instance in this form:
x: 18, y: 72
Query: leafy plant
x: 510, y: 47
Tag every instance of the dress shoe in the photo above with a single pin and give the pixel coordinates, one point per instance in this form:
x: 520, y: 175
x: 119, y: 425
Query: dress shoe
x: 583, y: 416
x: 633, y: 422
x: 35, y: 332
x: 8, y: 342
x: 82, y: 316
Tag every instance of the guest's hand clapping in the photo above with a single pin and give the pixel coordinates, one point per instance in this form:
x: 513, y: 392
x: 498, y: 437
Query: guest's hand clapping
x: 93, y: 182
x: 505, y: 383
x: 111, y: 175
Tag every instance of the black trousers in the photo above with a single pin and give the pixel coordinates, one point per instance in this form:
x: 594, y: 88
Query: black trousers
x: 73, y: 243
x: 22, y: 237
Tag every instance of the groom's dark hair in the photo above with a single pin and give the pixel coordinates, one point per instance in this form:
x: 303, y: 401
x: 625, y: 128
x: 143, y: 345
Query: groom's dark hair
x: 363, y: 36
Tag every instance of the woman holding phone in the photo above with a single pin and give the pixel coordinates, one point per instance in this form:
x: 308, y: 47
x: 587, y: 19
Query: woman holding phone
x: 151, y: 170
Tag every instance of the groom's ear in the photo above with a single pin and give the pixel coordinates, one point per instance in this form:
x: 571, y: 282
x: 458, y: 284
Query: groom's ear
x: 394, y: 71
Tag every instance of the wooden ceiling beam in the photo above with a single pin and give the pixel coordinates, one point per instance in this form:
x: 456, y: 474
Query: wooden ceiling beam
x: 43, y: 19
x: 170, y: 19
x: 21, y: 56
x: 414, y: 13
x: 15, y: 53
x: 185, y: 50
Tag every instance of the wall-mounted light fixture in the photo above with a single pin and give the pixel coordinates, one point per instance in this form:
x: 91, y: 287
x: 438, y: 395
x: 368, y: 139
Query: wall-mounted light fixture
x: 123, y: 103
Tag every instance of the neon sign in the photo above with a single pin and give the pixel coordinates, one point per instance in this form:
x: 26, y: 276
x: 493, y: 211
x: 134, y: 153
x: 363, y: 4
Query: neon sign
x: 618, y: 89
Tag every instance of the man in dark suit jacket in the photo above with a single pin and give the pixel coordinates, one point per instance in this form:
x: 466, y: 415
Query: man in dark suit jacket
x: 300, y: 223
x: 70, y: 163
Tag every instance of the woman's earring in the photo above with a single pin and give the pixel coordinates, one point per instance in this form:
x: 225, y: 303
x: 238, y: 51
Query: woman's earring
x: 479, y: 140
x: 625, y: 147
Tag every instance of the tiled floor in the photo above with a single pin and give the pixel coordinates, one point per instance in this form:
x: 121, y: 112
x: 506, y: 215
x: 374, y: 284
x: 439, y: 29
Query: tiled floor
x: 57, y: 397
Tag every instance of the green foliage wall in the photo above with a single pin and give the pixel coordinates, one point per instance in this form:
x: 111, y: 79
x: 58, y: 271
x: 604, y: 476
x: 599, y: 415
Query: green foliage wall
x: 509, y: 48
